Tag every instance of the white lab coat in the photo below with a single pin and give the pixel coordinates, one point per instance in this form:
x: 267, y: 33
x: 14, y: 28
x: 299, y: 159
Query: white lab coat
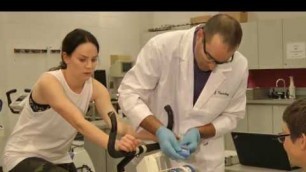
x: 163, y: 74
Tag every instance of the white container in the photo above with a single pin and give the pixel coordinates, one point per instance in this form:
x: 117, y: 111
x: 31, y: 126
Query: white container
x: 291, y: 88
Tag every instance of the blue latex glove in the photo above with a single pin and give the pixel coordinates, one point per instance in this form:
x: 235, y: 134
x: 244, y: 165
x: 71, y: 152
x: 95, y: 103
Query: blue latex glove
x: 191, y: 139
x: 168, y: 143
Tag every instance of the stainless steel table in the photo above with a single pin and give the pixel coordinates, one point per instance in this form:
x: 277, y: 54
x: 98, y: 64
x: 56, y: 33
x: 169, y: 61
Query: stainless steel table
x: 244, y: 168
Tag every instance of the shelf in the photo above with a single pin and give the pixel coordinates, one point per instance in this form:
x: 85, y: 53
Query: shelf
x: 30, y: 51
x: 55, y: 51
x: 35, y: 51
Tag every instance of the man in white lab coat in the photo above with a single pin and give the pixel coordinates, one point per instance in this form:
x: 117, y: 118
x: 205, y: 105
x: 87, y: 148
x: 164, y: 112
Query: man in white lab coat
x: 203, y: 77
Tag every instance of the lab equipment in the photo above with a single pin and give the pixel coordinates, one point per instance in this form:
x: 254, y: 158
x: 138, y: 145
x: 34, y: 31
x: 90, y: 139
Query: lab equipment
x: 184, y: 168
x: 120, y: 67
x: 100, y: 75
x: 185, y: 152
x: 282, y: 93
x: 231, y: 157
x: 279, y: 92
x: 157, y: 162
x: 191, y: 139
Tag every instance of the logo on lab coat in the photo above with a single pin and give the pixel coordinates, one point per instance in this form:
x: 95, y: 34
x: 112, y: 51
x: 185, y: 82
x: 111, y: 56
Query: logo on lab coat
x: 221, y: 93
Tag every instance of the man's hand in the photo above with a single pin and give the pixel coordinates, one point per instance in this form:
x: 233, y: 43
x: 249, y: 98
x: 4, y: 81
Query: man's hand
x: 168, y: 143
x: 191, y: 139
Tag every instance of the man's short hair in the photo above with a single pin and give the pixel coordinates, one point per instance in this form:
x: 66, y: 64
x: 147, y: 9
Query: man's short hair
x: 228, y: 27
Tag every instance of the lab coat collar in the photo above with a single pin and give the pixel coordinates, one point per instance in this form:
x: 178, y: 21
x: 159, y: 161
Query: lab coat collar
x: 186, y: 45
x: 217, y: 76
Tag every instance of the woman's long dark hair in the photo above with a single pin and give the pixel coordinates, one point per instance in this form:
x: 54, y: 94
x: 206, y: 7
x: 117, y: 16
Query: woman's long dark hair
x: 72, y: 40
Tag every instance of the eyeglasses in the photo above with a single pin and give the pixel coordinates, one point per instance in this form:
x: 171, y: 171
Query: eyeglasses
x: 281, y: 137
x: 211, y: 58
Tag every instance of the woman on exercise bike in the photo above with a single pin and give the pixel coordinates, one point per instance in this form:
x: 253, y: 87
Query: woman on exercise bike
x: 54, y: 112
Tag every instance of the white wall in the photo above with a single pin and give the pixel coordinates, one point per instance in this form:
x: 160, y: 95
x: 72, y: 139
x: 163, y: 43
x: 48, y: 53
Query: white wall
x: 163, y: 18
x: 117, y: 33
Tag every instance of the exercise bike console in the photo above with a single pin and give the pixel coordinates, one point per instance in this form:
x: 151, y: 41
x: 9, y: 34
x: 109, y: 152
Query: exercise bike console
x: 17, y: 105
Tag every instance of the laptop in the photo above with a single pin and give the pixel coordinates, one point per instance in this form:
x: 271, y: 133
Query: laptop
x: 261, y: 150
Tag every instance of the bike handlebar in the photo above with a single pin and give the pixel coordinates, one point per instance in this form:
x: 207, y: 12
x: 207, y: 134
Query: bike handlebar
x: 141, y: 149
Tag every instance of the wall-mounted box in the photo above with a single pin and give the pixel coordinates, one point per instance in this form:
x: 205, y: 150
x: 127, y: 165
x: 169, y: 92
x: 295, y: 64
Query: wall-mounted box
x: 199, y: 19
x: 114, y: 58
x: 242, y: 17
x: 120, y: 64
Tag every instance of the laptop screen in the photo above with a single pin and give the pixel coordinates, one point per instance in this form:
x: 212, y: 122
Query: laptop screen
x: 261, y: 150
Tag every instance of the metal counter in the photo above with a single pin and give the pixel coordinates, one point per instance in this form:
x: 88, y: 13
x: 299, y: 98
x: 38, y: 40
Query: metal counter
x: 271, y: 101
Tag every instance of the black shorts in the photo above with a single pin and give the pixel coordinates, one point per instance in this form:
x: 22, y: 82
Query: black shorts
x: 35, y: 164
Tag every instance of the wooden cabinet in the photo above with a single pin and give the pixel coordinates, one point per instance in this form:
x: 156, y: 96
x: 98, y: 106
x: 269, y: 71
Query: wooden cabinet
x: 260, y: 118
x: 278, y: 111
x: 265, y: 118
x: 270, y: 44
x: 248, y: 46
x: 294, y: 36
x: 242, y: 125
x: 274, y: 44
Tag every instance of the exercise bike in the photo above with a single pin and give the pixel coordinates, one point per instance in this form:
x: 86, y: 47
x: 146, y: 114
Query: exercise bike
x: 155, y: 162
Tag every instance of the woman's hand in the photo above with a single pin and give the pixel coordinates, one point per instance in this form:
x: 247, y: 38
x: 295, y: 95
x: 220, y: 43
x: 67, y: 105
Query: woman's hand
x: 127, y: 143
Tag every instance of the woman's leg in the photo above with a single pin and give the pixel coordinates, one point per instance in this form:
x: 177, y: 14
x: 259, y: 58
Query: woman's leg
x: 35, y: 164
x: 70, y: 167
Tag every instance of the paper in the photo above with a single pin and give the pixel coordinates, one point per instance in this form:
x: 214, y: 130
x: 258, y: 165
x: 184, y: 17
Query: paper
x: 296, y: 50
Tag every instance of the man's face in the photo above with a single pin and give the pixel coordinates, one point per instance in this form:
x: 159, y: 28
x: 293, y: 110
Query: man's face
x: 212, y: 53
